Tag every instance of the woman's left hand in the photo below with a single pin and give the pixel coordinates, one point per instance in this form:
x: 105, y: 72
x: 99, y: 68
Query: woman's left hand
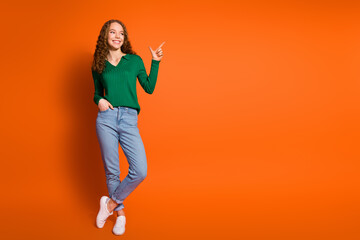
x: 157, y: 54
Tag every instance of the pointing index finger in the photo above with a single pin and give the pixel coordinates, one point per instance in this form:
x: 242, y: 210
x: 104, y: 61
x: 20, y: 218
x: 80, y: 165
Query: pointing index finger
x: 161, y: 45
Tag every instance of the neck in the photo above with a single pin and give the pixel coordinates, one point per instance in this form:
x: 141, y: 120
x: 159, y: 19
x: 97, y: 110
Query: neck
x: 117, y: 54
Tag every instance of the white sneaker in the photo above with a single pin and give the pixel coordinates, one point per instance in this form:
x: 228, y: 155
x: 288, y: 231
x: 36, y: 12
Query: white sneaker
x: 119, y: 227
x: 103, y: 212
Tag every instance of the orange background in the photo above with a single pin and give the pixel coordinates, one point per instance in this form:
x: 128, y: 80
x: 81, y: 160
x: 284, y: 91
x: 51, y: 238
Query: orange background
x: 252, y: 131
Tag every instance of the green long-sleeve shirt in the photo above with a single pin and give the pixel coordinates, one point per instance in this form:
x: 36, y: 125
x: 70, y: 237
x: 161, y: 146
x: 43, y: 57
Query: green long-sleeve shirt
x: 119, y: 82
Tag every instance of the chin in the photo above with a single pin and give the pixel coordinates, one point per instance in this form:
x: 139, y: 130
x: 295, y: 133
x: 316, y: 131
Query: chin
x: 116, y: 47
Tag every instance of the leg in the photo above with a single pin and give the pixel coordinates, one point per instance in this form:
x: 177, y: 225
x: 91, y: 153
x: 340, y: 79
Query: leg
x: 133, y: 147
x: 109, y: 146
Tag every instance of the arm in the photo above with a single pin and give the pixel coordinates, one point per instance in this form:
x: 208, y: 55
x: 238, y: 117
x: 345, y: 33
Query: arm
x: 148, y: 82
x: 99, y: 89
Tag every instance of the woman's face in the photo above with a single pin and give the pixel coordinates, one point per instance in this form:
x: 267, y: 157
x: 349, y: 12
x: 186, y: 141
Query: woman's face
x: 116, y: 36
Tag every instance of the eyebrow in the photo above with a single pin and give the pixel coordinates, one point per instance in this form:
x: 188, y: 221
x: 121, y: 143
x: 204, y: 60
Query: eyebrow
x: 115, y: 30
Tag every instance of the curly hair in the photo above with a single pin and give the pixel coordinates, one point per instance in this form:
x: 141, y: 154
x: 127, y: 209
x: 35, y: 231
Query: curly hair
x: 102, y: 47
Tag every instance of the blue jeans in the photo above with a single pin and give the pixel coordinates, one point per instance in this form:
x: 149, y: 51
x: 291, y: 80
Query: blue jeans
x: 114, y: 126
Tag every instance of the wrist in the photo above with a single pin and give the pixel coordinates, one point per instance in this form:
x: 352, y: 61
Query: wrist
x: 100, y: 101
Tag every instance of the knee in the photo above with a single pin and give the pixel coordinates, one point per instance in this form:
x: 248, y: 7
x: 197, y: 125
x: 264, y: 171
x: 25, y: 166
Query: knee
x: 139, y: 176
x: 142, y: 175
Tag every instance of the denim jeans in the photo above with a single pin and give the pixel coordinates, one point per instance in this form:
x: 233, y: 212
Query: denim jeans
x: 114, y: 126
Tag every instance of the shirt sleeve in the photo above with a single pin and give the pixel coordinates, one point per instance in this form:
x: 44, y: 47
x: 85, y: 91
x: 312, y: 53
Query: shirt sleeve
x: 148, y: 82
x: 99, y: 89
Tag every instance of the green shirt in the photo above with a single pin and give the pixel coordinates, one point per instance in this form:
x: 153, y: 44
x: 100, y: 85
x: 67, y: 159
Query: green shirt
x: 119, y: 82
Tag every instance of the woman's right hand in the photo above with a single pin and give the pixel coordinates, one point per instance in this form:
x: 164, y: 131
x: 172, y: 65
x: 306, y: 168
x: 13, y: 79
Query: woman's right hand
x: 104, y: 105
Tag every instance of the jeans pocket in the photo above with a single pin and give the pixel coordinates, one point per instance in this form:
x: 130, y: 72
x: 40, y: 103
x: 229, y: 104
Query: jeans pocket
x: 130, y: 118
x: 132, y: 111
x: 104, y: 110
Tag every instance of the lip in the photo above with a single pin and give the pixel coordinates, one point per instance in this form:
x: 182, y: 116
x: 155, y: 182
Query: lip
x: 117, y: 41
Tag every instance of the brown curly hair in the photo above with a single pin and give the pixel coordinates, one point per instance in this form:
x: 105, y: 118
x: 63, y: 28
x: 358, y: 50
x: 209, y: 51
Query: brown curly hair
x: 102, y: 47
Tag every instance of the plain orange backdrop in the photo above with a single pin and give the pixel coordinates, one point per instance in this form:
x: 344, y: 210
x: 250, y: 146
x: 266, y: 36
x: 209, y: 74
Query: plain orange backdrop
x: 252, y: 131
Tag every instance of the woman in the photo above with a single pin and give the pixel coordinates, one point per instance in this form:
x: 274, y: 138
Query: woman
x: 115, y: 69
